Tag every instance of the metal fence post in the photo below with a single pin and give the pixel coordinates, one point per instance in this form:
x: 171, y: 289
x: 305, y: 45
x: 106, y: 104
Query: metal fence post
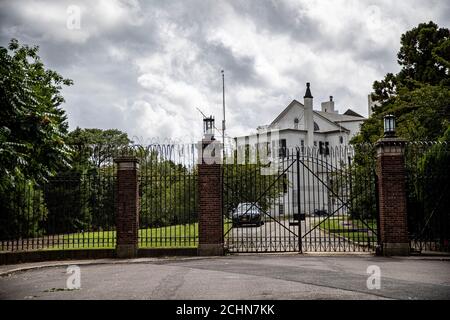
x: 300, y: 245
x: 127, y: 207
x: 390, y: 168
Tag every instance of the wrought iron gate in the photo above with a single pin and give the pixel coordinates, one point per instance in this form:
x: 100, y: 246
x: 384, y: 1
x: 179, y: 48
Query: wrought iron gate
x: 316, y: 199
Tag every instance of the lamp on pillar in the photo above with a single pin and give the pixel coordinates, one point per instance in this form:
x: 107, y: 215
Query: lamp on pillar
x: 208, y: 128
x: 389, y: 126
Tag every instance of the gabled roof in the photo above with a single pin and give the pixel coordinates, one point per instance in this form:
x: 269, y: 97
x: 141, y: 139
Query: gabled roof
x: 320, y: 114
x: 336, y: 117
x: 350, y: 112
x: 286, y: 110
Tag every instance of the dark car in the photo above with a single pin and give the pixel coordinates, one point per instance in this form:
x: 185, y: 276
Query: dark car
x: 320, y: 212
x: 246, y: 214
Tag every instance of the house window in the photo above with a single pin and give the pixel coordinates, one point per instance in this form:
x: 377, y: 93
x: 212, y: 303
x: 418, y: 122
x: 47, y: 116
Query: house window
x: 282, y: 150
x: 302, y: 146
x: 268, y: 150
x: 285, y: 183
x: 281, y: 208
x: 324, y: 148
x: 316, y: 127
x: 341, y: 139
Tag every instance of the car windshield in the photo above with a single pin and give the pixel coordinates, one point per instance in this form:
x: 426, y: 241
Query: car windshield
x: 243, y: 207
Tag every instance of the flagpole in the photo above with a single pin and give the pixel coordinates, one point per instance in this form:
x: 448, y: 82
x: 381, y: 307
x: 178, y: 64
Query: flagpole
x: 223, y: 107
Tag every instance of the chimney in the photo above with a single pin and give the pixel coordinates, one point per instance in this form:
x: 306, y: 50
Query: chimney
x: 328, y: 106
x: 372, y: 104
x: 308, y: 118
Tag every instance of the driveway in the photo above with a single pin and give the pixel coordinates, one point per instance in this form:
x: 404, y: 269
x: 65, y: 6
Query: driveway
x: 263, y: 276
x: 282, y: 236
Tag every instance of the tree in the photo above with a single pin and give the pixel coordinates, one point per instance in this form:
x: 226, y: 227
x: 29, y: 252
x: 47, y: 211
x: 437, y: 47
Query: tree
x: 424, y: 58
x: 33, y: 126
x: 33, y: 130
x: 419, y: 97
x: 419, y: 94
x: 168, y: 188
x: 95, y: 147
x: 88, y: 187
x: 421, y: 114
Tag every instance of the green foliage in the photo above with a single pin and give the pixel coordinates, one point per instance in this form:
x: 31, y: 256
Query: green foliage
x: 419, y: 94
x: 429, y: 187
x: 424, y: 58
x: 423, y: 55
x: 168, y: 191
x: 22, y: 211
x: 88, y: 187
x: 33, y: 127
x: 419, y: 97
x: 95, y: 148
x: 354, y: 182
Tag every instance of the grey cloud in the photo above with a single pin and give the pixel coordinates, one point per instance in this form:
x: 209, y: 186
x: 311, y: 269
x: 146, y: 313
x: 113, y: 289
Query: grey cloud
x: 276, y: 17
x: 241, y: 69
x: 106, y: 89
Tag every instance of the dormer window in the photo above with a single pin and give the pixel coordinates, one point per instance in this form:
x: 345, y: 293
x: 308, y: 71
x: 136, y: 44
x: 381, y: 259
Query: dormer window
x: 316, y: 126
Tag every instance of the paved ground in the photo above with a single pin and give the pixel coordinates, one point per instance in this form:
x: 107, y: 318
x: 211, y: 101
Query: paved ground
x: 288, y: 276
x: 281, y: 236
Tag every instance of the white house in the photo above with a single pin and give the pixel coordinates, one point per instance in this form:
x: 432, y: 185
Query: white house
x: 299, y: 125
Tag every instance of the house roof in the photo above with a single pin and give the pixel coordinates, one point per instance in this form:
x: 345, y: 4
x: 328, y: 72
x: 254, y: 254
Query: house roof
x: 286, y: 110
x: 350, y: 112
x: 336, y: 117
x: 318, y: 113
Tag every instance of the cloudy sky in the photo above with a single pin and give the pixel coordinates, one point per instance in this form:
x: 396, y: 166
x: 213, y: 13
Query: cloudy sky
x: 145, y: 66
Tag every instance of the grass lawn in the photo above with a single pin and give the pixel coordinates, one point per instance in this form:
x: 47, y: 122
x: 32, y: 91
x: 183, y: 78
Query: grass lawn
x: 176, y: 236
x: 345, y: 227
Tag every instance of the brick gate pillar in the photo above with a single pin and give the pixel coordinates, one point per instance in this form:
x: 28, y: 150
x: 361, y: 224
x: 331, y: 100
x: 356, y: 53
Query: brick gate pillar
x: 127, y: 207
x: 210, y: 223
x: 391, y: 175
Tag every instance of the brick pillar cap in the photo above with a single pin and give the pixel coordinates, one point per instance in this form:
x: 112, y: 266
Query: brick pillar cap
x: 390, y: 146
x: 391, y: 141
x: 122, y: 159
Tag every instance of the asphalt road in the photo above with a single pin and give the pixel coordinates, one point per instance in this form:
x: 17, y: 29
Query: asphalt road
x: 263, y: 276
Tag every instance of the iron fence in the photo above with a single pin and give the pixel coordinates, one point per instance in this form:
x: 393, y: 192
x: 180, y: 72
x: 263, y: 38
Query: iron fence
x: 428, y: 195
x: 316, y: 199
x: 168, y: 195
x: 301, y: 199
x: 69, y: 211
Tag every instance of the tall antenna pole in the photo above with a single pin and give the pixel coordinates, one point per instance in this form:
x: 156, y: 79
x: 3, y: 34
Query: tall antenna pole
x: 223, y: 106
